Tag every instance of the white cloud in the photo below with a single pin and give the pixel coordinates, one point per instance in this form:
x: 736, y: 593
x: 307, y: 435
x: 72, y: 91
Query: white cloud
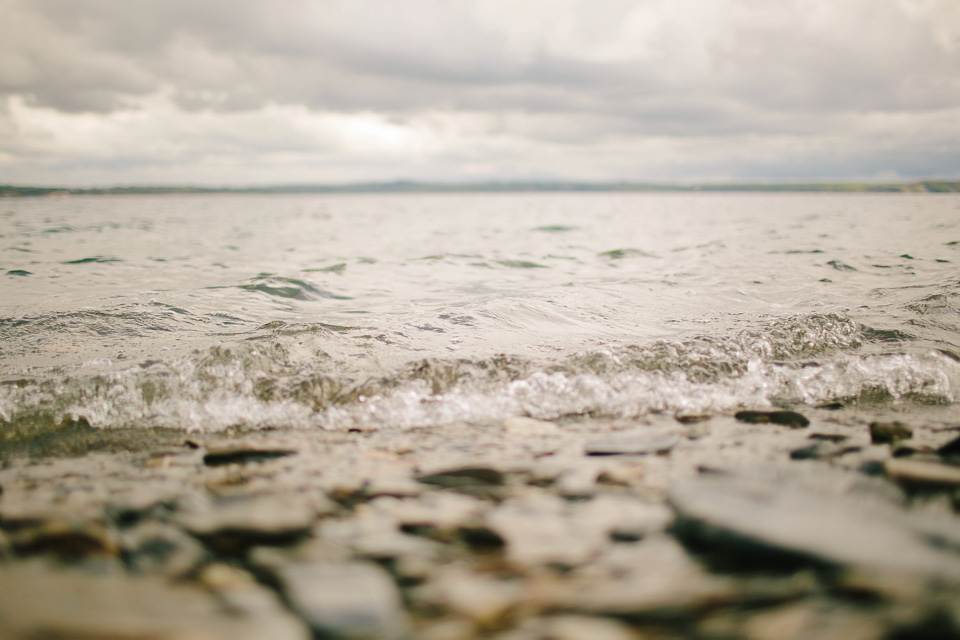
x: 326, y: 90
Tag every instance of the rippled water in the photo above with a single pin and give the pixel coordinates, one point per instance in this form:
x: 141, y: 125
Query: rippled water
x: 209, y: 312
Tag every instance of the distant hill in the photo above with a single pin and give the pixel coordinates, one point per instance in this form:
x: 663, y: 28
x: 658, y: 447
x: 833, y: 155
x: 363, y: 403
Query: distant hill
x: 922, y: 186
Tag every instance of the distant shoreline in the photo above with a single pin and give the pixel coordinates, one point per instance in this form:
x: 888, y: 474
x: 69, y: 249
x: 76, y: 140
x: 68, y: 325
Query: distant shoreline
x: 921, y: 186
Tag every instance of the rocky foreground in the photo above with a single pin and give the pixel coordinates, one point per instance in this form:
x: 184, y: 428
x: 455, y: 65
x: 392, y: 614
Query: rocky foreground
x: 839, y: 523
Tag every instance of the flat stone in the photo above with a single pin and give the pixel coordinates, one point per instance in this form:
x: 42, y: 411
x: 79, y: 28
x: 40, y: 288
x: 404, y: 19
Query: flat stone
x: 351, y: 600
x: 468, y: 477
x: 262, y: 518
x: 574, y: 627
x: 244, y: 452
x: 483, y: 600
x: 889, y: 432
x: 39, y: 602
x: 543, y: 530
x: 914, y: 473
x: 775, y: 525
x: 529, y: 426
x: 790, y: 419
x: 158, y: 548
x: 637, y: 442
x: 67, y: 540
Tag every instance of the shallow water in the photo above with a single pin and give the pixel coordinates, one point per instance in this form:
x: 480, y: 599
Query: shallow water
x: 209, y: 312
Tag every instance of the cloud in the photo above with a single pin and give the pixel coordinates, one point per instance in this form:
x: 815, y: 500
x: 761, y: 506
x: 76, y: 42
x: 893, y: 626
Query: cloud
x: 432, y: 89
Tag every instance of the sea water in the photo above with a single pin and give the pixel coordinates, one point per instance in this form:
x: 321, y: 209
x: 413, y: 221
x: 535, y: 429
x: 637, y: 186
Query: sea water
x: 392, y: 311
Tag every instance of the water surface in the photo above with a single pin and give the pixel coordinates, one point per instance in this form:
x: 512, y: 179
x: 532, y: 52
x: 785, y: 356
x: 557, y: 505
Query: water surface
x: 208, y: 312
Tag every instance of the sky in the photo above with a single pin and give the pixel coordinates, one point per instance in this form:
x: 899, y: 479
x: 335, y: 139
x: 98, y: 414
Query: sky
x: 257, y: 92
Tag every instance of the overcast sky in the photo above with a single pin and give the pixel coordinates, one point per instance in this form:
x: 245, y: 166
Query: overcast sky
x: 234, y: 92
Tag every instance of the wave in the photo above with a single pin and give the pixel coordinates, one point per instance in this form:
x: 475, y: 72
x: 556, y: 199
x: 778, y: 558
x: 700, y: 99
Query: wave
x: 285, y: 376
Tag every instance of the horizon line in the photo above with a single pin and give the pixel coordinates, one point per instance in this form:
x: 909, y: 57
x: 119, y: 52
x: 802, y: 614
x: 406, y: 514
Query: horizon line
x: 493, y: 186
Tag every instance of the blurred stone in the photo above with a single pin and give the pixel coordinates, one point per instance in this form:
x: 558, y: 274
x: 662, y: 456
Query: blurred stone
x: 483, y: 600
x: 889, y: 432
x: 639, y: 441
x: 913, y: 473
x: 790, y: 419
x: 529, y: 426
x: 750, y: 523
x: 345, y: 600
x: 573, y: 627
x: 39, y: 602
x: 155, y: 547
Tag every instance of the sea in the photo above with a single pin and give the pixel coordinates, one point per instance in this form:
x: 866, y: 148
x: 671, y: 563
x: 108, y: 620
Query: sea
x: 214, y: 312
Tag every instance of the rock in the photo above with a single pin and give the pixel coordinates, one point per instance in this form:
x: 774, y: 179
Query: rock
x: 483, y: 600
x: 692, y: 418
x: 234, y: 523
x: 822, y: 450
x: 344, y: 600
x: 158, y: 548
x: 748, y: 523
x: 922, y: 474
x: 540, y: 529
x: 464, y: 478
x: 67, y: 540
x: 244, y: 452
x: 790, y: 419
x: 950, y: 449
x: 39, y: 602
x: 889, y: 432
x: 573, y: 627
x: 529, y: 426
x: 639, y: 441
x: 807, y: 620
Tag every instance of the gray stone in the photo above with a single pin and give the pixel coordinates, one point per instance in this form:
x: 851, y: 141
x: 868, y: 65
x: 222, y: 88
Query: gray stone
x: 639, y: 441
x: 923, y: 473
x: 159, y: 548
x: 257, y: 519
x: 483, y: 600
x: 469, y: 477
x: 345, y: 600
x: 750, y: 522
x: 39, y: 602
x: 573, y: 627
x: 541, y: 529
x: 530, y: 426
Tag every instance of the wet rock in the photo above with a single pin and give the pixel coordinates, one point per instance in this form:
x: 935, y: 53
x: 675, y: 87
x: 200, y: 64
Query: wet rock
x: 67, y: 540
x: 234, y: 523
x: 464, y: 478
x: 244, y: 452
x: 39, y: 602
x: 923, y: 474
x: 573, y: 627
x: 790, y: 419
x: 539, y: 529
x: 813, y: 620
x: 529, y: 426
x: 889, y: 432
x: 158, y: 548
x: 828, y: 437
x: 950, y: 450
x: 484, y: 600
x: 345, y: 600
x: 749, y: 523
x: 822, y: 450
x: 640, y: 441
x: 692, y: 418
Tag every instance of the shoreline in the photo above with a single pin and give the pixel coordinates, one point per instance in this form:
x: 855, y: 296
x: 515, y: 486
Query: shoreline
x: 699, y: 527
